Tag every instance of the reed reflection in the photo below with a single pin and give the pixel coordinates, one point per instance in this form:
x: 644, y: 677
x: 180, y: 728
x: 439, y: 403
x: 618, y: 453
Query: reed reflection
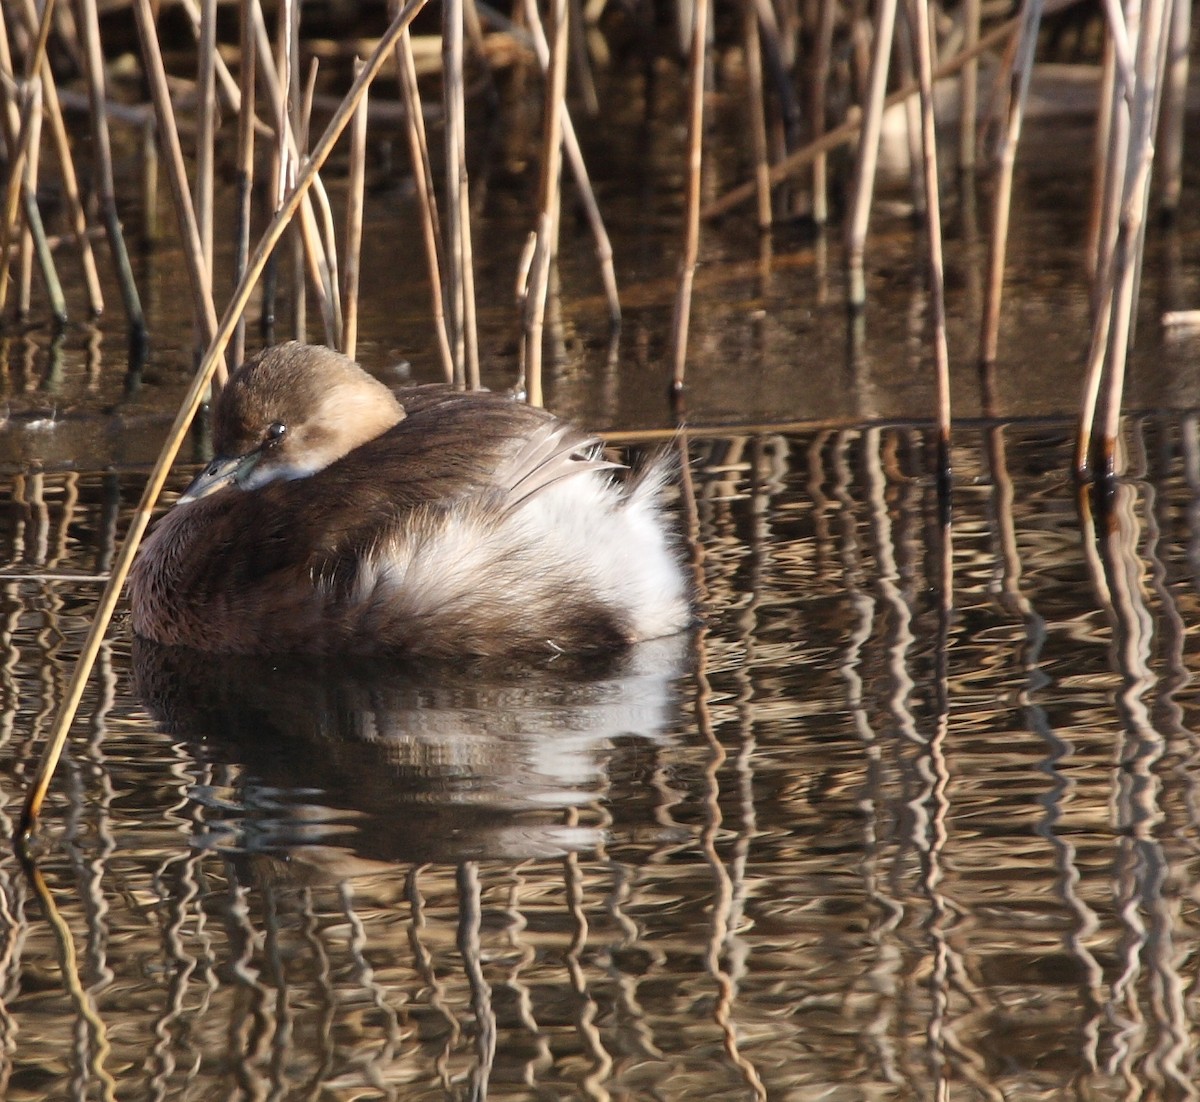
x: 334, y: 762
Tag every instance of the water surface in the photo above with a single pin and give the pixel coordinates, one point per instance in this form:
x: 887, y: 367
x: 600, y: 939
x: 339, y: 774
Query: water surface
x: 912, y: 814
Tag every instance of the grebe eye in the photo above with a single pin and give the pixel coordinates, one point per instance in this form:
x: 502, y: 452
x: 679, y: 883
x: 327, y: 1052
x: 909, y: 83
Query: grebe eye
x: 275, y: 432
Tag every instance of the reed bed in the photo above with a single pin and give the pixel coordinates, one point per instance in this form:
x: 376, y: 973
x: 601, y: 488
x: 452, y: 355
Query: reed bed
x: 791, y: 52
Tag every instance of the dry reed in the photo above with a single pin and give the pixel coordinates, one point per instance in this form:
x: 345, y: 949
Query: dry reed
x: 698, y: 57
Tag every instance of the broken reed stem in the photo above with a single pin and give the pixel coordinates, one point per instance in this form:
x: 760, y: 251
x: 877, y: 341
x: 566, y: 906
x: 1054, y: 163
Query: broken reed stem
x: 168, y: 136
x: 921, y: 30
x: 549, y: 198
x: 244, y: 185
x: 66, y: 164
x: 88, y: 25
x: 868, y: 151
x: 183, y: 419
x: 1031, y: 21
x: 355, y: 188
x: 839, y: 135
x: 691, y: 244
x: 587, y: 195
x: 431, y: 232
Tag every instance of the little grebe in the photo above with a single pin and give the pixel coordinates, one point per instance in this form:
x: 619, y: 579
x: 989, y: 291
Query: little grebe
x: 340, y: 516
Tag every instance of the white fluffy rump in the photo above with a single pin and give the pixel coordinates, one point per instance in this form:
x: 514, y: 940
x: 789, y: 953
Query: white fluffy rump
x: 583, y: 553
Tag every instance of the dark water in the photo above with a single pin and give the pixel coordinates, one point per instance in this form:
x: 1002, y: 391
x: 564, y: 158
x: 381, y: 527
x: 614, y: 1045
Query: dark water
x: 915, y: 814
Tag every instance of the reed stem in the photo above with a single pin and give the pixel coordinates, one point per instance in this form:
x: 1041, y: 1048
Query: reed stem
x: 168, y: 136
x: 549, y: 197
x: 88, y: 23
x: 575, y: 161
x: 1031, y: 20
x: 354, y: 224
x: 691, y: 243
x: 426, y: 197
x: 863, y: 187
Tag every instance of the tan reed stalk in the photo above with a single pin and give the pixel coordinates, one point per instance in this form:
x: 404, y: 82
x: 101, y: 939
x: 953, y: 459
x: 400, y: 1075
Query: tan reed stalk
x: 229, y: 86
x: 922, y: 35
x: 354, y: 223
x: 183, y: 419
x: 868, y: 152
x: 1120, y: 256
x: 317, y: 230
x: 458, y: 222
x: 31, y: 118
x: 1107, y: 188
x: 1150, y: 67
x: 691, y: 243
x: 574, y: 158
x: 245, y: 168
x: 423, y: 177
x: 168, y: 136
x: 66, y: 164
x: 549, y: 198
x: 287, y: 65
x: 968, y: 84
x: 821, y: 60
x: 1175, y: 107
x: 320, y: 252
x: 1106, y: 114
x: 756, y: 105
x: 315, y: 233
x: 844, y: 133
x: 88, y: 24
x: 22, y: 133
x: 206, y: 129
x: 989, y: 339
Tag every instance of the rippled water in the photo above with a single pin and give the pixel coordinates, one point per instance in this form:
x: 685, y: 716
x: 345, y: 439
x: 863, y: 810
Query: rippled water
x: 858, y: 836
x: 914, y: 814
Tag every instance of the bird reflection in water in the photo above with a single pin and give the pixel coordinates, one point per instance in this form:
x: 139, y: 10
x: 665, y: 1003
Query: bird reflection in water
x: 340, y: 765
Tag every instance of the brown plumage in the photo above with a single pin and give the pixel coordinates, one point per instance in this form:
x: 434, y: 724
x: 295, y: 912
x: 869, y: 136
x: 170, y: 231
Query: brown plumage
x: 341, y: 517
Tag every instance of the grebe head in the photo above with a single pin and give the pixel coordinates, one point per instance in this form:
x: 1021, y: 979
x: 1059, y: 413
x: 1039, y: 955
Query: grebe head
x: 290, y: 411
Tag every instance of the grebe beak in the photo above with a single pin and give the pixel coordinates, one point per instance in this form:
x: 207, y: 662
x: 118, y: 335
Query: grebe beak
x: 221, y: 472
